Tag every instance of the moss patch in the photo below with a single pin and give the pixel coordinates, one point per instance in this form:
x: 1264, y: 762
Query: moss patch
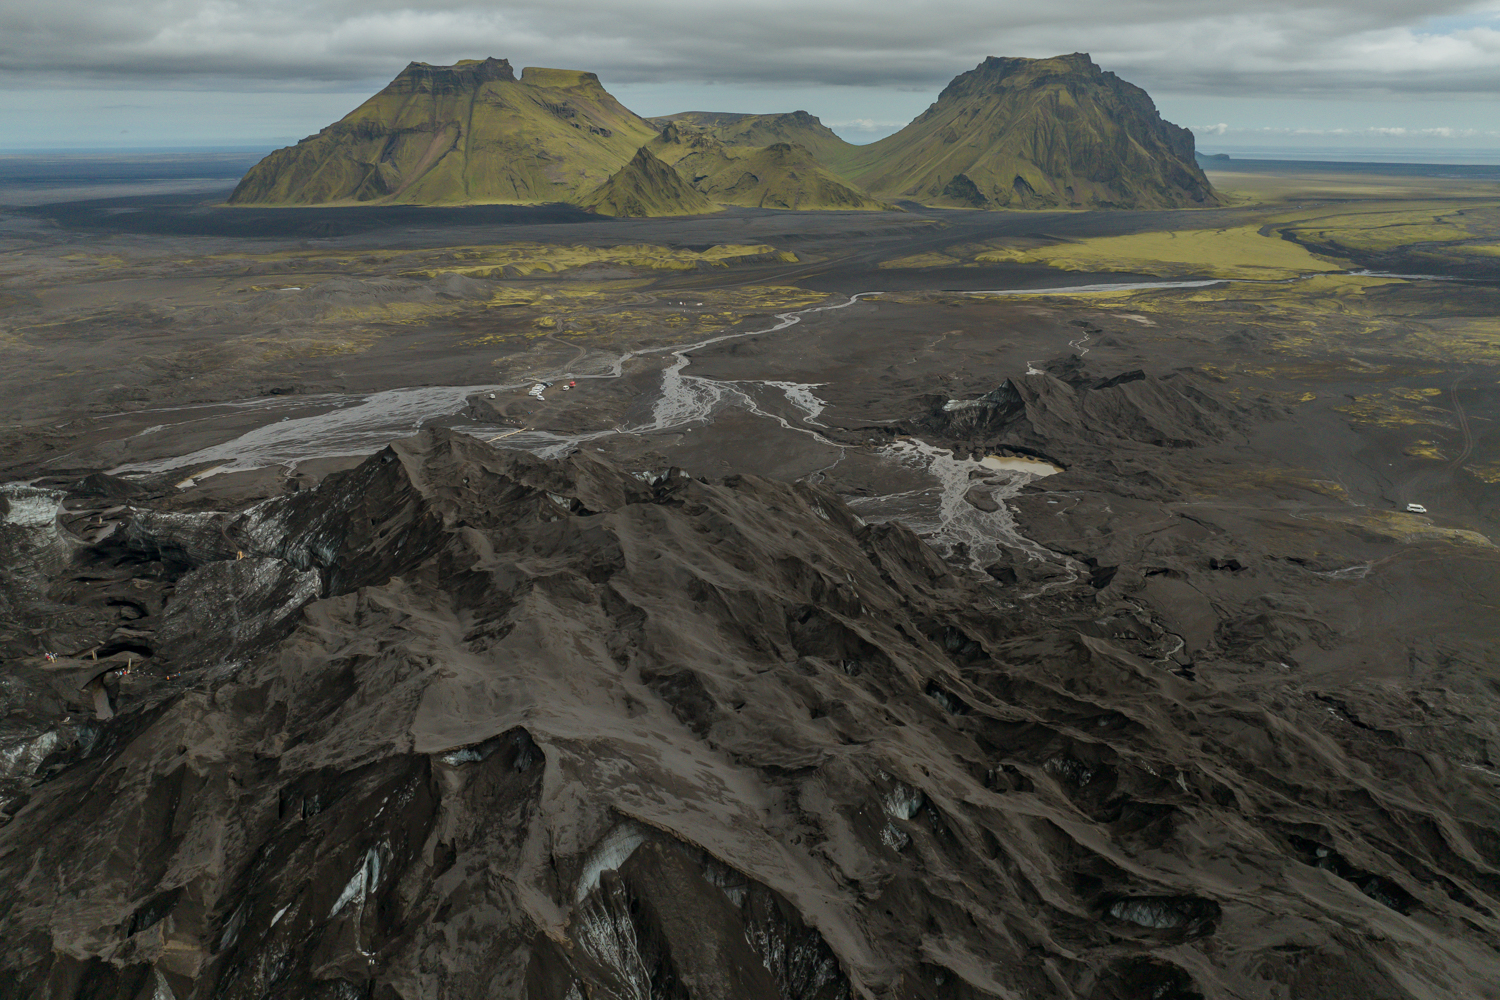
x: 1238, y: 252
x: 1403, y: 527
x: 518, y: 260
x: 1488, y: 472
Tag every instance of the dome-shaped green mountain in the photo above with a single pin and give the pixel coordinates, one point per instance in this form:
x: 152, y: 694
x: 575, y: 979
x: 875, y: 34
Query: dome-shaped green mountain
x: 1034, y: 133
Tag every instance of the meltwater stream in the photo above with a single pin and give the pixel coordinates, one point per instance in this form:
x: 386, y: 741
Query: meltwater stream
x: 350, y: 426
x: 354, y: 425
x: 954, y: 523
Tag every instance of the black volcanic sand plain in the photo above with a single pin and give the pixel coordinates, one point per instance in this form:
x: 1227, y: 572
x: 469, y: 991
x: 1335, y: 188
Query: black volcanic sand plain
x: 337, y: 665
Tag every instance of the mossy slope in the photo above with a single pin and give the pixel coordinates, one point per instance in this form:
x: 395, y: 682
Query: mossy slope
x: 647, y: 187
x: 782, y: 175
x: 796, y: 127
x: 470, y: 133
x: 1035, y: 133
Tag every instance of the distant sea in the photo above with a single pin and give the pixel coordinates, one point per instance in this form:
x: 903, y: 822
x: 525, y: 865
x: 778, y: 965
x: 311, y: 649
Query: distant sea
x: 42, y: 178
x: 1356, y: 154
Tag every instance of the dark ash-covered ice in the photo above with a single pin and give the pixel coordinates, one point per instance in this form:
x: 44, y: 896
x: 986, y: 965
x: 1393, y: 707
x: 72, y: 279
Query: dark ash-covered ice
x: 462, y: 723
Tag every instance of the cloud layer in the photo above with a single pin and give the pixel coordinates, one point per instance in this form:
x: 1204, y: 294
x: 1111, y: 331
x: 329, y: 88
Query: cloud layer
x: 1360, y: 48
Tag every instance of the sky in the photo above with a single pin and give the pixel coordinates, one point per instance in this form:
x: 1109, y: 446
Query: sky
x: 1368, y: 78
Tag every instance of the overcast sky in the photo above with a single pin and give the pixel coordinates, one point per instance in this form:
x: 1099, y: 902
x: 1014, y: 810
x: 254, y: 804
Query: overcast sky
x: 1360, y: 74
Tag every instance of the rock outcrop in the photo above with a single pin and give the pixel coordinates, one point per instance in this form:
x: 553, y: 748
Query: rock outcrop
x: 1068, y: 414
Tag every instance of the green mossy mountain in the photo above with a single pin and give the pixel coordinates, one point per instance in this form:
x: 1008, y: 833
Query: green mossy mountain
x: 647, y: 187
x: 797, y: 127
x: 1012, y: 133
x: 470, y: 133
x: 782, y: 175
x: 1034, y: 133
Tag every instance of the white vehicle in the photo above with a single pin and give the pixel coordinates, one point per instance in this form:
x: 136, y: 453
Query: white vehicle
x: 1415, y: 508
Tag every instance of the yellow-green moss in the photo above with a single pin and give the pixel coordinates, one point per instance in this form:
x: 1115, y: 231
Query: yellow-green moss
x: 1237, y: 252
x: 1424, y: 449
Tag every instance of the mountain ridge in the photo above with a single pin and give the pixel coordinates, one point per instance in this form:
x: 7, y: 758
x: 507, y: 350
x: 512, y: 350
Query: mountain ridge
x: 796, y: 127
x: 781, y: 175
x: 1011, y: 133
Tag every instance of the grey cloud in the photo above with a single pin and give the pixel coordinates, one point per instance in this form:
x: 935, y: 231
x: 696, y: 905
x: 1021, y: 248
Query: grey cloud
x: 1216, y: 47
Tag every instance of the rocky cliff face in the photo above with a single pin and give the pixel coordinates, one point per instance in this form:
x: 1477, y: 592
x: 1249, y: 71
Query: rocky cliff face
x: 463, y: 723
x: 1032, y: 133
x: 1065, y: 414
x: 463, y: 77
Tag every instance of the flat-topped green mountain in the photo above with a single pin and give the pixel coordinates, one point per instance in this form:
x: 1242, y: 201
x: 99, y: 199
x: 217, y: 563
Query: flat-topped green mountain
x: 470, y: 133
x: 1034, y: 133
